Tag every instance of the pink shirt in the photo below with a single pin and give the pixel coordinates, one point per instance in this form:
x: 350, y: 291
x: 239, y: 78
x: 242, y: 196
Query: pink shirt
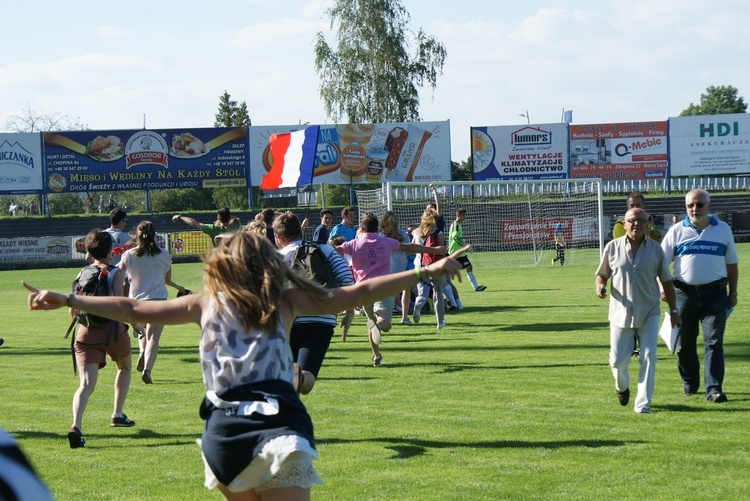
x: 371, y: 255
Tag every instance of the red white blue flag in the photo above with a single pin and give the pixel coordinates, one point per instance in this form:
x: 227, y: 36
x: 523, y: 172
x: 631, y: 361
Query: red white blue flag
x: 293, y: 156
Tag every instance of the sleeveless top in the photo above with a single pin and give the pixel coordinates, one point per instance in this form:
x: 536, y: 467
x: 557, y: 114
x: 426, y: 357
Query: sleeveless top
x: 231, y: 357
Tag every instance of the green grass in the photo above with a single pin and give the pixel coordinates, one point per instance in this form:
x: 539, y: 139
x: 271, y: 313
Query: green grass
x: 513, y: 400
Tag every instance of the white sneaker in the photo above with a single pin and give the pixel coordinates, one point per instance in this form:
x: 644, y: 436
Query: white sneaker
x: 441, y: 325
x: 416, y: 315
x: 406, y: 321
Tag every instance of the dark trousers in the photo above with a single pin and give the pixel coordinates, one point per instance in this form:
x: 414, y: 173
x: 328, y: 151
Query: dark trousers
x: 707, y: 308
x: 309, y: 343
x: 560, y: 253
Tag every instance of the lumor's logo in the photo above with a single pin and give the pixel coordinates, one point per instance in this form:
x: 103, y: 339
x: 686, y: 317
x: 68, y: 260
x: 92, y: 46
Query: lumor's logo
x: 530, y: 136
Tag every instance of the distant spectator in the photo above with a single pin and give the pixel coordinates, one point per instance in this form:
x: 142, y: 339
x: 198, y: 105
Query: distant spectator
x: 13, y: 208
x: 268, y: 216
x: 111, y: 204
x: 346, y: 227
x: 323, y: 230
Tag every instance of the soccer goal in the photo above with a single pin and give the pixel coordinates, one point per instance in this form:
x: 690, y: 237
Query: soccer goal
x: 509, y: 223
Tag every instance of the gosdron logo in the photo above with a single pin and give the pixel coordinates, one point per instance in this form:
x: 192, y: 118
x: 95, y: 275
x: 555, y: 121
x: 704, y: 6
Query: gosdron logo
x: 720, y: 129
x: 530, y: 136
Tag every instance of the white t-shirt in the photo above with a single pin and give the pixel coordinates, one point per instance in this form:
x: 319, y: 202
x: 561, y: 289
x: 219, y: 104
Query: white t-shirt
x: 147, y: 274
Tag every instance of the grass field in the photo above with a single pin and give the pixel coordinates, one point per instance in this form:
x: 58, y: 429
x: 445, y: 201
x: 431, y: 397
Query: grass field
x: 513, y: 400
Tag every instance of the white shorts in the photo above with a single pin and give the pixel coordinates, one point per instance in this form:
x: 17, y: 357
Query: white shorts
x: 284, y: 461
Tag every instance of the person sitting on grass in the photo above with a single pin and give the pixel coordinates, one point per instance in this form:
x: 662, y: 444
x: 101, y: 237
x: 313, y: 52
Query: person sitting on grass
x: 258, y: 437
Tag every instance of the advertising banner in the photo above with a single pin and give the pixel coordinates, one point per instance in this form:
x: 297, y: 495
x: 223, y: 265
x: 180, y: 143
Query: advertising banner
x: 619, y: 151
x: 35, y: 248
x: 140, y: 159
x: 78, y: 245
x: 520, y: 152
x: 21, y: 170
x: 524, y: 231
x: 366, y: 153
x: 188, y: 243
x: 514, y: 231
x: 709, y: 145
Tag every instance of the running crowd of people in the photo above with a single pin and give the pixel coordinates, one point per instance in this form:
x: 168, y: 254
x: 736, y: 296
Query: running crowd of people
x: 262, y: 282
x: 270, y: 302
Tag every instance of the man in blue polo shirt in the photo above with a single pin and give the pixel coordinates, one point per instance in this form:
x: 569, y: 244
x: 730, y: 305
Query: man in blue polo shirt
x: 705, y: 263
x: 346, y: 227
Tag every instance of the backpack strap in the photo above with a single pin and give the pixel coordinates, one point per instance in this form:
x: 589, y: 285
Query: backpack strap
x: 72, y: 342
x: 70, y: 328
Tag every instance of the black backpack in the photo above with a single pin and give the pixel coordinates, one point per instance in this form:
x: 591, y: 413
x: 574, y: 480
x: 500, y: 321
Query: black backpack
x: 309, y: 261
x: 91, y: 281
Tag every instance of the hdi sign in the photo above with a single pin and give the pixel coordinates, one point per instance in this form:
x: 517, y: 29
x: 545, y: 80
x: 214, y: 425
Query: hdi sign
x: 722, y: 129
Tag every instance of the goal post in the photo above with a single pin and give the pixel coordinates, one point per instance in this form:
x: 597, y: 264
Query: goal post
x: 509, y: 224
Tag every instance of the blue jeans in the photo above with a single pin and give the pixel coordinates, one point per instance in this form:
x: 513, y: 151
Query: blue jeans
x: 709, y: 309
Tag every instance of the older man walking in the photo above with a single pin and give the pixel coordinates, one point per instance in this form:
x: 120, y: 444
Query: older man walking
x: 705, y: 263
x: 634, y: 262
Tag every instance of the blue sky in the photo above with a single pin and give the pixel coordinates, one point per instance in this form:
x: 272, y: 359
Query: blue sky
x: 609, y: 61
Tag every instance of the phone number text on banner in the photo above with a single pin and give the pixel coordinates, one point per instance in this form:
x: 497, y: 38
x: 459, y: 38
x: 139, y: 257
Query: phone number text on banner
x: 146, y: 159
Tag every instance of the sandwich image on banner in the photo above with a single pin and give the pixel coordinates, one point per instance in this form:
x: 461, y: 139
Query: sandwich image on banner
x: 293, y: 157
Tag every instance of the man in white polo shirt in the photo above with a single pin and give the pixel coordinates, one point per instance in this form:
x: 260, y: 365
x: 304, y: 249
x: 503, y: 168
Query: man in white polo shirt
x: 705, y: 263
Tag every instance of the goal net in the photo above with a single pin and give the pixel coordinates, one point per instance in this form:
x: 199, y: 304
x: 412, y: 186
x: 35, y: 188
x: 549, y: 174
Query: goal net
x: 509, y: 224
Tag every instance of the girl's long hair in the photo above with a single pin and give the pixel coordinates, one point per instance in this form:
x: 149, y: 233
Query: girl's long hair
x: 428, y: 223
x: 145, y: 240
x: 252, y: 275
x: 389, y: 225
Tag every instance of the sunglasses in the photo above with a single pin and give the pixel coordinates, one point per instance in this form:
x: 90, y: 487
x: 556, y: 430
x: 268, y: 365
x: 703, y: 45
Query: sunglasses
x: 699, y: 205
x: 634, y: 220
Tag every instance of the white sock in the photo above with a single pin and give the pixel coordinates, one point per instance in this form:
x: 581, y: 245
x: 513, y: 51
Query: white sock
x: 449, y: 294
x: 473, y: 280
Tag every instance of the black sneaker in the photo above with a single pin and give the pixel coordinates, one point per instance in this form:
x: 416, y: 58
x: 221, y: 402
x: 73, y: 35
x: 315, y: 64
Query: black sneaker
x: 623, y: 396
x: 717, y: 397
x: 481, y: 288
x: 75, y: 438
x: 122, y: 422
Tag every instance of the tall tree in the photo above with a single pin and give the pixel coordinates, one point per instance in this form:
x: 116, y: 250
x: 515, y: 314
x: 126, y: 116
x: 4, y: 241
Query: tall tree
x: 371, y: 77
x: 717, y: 101
x: 231, y: 114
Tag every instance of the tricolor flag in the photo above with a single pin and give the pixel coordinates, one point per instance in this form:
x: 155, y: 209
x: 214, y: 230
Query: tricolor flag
x: 293, y: 156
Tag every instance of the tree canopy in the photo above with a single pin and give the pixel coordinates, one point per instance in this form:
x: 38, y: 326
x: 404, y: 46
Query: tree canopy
x: 717, y: 101
x: 231, y: 114
x: 371, y: 76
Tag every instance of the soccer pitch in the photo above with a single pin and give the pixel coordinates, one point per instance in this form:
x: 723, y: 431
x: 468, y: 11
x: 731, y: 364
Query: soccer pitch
x: 514, y: 399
